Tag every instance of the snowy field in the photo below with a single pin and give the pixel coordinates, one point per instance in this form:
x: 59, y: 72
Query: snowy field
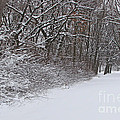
x: 97, y: 99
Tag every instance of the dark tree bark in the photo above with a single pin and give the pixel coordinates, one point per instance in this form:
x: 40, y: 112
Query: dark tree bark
x: 2, y: 5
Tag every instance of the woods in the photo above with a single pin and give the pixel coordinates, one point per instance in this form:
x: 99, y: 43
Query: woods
x: 73, y: 33
x: 51, y: 43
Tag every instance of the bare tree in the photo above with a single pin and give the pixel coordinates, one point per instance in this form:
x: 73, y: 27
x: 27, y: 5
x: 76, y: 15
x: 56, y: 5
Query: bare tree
x: 70, y: 32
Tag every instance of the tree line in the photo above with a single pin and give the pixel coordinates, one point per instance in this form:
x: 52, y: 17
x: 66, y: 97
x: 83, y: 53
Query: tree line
x: 74, y: 33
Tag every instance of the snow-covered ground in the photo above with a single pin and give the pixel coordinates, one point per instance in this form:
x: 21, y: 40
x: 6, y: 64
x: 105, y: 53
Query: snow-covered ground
x: 97, y: 99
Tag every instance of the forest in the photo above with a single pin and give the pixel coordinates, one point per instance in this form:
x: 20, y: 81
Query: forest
x: 49, y: 43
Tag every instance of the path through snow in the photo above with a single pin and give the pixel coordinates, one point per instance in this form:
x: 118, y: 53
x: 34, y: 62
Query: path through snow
x: 97, y: 99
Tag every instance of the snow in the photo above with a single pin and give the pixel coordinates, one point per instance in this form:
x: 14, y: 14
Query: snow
x: 80, y: 102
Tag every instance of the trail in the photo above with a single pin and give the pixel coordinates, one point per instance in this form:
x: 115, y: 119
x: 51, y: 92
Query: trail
x: 97, y: 99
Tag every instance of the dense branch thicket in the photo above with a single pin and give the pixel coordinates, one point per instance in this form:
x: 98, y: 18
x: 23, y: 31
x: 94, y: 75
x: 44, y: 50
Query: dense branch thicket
x: 76, y: 33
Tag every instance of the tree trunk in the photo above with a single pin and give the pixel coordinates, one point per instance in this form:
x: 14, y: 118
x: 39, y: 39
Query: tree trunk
x: 2, y: 5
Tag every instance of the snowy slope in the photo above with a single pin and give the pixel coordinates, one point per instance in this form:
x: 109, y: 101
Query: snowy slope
x: 91, y: 100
